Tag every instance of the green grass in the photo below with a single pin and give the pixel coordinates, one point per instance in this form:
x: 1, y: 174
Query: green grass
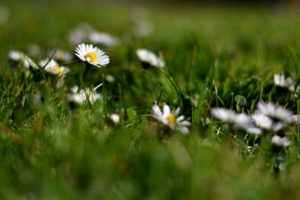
x: 216, y: 57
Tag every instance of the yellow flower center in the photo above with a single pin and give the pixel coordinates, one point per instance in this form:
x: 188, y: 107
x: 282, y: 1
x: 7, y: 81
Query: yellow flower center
x: 91, y: 57
x: 171, y: 119
x: 57, y: 70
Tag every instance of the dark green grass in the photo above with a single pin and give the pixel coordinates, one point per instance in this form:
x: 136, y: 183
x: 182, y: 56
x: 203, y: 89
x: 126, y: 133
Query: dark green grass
x: 216, y: 57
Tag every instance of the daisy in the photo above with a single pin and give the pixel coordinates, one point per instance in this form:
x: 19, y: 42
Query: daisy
x: 53, y: 67
x: 170, y: 119
x: 103, y: 38
x: 92, y: 55
x: 245, y: 122
x: 18, y: 56
x: 281, y: 81
x: 223, y: 114
x: 150, y: 58
x: 275, y: 112
x: 75, y: 97
x: 281, y: 141
x: 266, y: 122
x: 114, y: 118
x: 241, y: 121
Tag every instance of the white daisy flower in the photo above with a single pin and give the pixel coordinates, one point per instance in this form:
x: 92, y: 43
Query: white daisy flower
x: 245, y: 122
x: 75, y: 97
x: 275, y: 112
x: 19, y: 57
x: 53, y: 67
x: 114, y: 118
x: 61, y: 56
x: 266, y: 122
x: 150, y: 58
x: 241, y: 121
x: 281, y: 81
x: 224, y: 114
x: 170, y: 119
x: 281, y: 141
x: 103, y: 38
x: 92, y: 55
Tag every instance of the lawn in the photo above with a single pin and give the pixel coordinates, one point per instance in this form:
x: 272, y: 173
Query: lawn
x: 51, y: 148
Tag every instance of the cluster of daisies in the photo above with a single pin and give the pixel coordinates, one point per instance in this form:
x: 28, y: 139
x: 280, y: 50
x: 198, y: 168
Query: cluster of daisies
x: 266, y: 119
x: 93, y: 56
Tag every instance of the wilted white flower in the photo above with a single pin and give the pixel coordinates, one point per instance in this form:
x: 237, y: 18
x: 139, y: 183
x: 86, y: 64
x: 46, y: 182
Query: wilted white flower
x: 275, y: 112
x: 19, y: 57
x: 53, y: 67
x: 170, y: 119
x: 224, y: 114
x: 103, y: 38
x: 281, y: 81
x: 281, y: 141
x: 92, y: 96
x: 150, y: 58
x: 60, y: 55
x: 92, y: 55
x: 83, y: 95
x: 266, y: 122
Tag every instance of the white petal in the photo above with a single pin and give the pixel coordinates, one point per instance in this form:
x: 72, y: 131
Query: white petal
x: 184, y: 130
x: 184, y: 123
x: 166, y: 110
x: 156, y: 110
x: 180, y: 118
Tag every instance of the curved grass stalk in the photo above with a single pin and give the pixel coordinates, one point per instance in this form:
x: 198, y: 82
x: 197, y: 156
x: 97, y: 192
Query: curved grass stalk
x: 173, y: 84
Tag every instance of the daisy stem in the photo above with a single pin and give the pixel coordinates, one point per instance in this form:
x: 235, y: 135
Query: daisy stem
x: 87, y: 68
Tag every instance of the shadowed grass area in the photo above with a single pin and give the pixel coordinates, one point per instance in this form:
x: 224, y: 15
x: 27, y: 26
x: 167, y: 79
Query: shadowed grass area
x: 214, y: 58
